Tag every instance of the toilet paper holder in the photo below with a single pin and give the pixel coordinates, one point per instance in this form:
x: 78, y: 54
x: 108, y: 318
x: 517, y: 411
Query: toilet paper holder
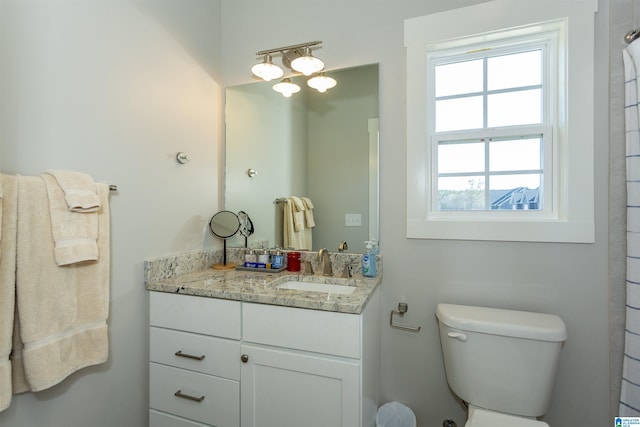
x: 403, y: 307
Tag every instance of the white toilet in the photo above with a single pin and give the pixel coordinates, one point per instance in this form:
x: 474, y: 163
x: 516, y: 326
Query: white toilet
x: 502, y: 363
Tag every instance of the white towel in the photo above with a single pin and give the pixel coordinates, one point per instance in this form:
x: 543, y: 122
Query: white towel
x: 79, y: 190
x: 308, y: 212
x: 298, y: 205
x: 300, y: 240
x: 8, y: 223
x: 74, y: 233
x: 62, y: 311
x: 307, y: 202
x: 297, y: 210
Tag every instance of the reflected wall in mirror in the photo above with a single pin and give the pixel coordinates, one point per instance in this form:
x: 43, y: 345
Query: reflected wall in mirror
x: 323, y: 146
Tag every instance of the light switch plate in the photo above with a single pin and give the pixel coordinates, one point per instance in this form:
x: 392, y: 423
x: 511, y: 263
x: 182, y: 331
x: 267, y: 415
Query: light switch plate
x: 352, y: 220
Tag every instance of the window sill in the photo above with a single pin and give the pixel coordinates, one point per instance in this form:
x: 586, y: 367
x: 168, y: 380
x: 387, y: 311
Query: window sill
x: 521, y: 231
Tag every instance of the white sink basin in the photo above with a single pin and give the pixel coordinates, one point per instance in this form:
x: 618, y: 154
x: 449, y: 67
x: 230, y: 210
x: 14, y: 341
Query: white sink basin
x: 317, y: 287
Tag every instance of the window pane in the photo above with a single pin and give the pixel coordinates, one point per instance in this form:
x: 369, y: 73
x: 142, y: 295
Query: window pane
x: 512, y: 155
x: 461, y: 193
x: 515, y: 70
x: 514, y: 108
x: 460, y: 158
x: 459, y: 78
x: 515, y: 191
x: 459, y: 114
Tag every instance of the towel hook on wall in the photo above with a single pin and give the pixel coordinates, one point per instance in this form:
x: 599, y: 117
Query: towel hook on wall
x: 182, y: 158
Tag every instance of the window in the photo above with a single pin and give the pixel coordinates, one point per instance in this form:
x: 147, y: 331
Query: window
x: 491, y: 126
x: 491, y: 154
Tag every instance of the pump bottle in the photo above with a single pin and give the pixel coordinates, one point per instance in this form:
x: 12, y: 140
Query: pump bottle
x: 369, y: 261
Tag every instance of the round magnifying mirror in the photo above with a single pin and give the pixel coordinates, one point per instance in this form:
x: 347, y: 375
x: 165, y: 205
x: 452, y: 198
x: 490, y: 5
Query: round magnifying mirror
x: 224, y: 225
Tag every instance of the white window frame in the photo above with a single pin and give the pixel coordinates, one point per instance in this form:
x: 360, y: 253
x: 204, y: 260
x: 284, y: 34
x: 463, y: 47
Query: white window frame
x: 571, y: 218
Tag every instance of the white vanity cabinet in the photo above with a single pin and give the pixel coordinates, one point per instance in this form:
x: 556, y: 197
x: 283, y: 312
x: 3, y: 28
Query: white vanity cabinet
x: 194, y: 370
x: 293, y: 366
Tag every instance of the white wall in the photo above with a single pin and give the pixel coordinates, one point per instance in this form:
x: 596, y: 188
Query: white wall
x: 115, y: 89
x: 567, y: 279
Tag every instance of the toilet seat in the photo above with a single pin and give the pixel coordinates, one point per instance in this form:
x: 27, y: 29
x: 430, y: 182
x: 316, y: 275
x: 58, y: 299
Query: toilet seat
x: 484, y: 418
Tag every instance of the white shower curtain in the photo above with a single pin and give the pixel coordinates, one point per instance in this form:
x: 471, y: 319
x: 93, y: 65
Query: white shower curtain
x: 630, y: 390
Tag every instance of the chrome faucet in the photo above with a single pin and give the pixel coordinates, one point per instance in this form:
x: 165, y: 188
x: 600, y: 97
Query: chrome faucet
x: 323, y: 257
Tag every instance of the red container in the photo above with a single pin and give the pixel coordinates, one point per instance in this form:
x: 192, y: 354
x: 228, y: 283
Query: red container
x: 293, y: 261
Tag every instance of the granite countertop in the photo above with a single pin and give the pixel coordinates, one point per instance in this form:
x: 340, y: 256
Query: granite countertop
x: 259, y: 287
x: 190, y: 273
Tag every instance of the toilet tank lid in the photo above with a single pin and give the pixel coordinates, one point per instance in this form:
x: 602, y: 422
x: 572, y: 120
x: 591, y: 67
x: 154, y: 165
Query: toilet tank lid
x: 520, y: 324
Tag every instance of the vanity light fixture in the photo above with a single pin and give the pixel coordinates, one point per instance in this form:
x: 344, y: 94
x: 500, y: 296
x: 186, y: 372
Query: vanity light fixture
x: 299, y: 59
x: 286, y: 87
x: 322, y: 82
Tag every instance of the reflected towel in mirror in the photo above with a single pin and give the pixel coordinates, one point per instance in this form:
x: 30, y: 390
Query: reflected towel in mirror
x: 295, y: 238
x: 308, y: 213
x: 297, y: 209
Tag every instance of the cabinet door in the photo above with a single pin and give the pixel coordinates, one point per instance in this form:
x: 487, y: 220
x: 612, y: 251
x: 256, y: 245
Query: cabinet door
x: 282, y: 388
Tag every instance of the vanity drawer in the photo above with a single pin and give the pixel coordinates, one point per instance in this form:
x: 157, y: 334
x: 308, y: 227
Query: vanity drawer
x: 220, y: 398
x: 160, y: 419
x: 325, y: 332
x: 201, y: 353
x: 202, y: 315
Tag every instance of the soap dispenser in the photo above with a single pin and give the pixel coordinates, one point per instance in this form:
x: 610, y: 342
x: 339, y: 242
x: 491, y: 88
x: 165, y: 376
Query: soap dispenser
x: 369, y: 261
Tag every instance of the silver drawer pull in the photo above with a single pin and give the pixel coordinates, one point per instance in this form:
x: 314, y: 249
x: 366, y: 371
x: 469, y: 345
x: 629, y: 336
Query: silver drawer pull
x: 179, y: 393
x: 179, y: 353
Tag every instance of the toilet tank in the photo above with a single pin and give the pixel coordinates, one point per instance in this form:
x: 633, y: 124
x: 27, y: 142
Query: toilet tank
x: 503, y: 360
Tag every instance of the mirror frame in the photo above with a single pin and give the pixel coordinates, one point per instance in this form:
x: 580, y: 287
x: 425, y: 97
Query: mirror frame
x: 224, y: 220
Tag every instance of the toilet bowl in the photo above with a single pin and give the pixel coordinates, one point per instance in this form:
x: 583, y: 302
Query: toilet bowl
x: 484, y: 418
x: 502, y: 363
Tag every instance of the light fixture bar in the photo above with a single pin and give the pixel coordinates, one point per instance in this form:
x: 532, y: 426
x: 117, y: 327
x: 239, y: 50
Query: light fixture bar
x: 286, y: 48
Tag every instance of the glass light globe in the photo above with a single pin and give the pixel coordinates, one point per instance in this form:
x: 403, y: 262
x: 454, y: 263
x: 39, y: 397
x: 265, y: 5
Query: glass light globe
x: 321, y: 83
x: 307, y: 64
x: 267, y: 70
x: 286, y: 87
